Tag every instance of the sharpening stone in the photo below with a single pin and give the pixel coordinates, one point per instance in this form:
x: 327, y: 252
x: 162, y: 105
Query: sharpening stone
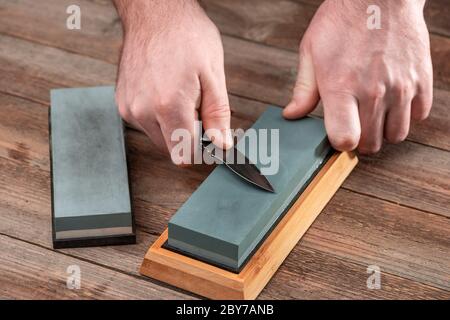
x: 225, y: 219
x: 90, y: 191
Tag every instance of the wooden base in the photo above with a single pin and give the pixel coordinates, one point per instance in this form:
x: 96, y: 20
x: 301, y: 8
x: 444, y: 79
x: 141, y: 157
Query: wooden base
x: 216, y: 283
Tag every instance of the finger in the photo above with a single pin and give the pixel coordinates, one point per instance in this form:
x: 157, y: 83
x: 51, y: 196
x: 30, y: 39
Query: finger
x: 153, y: 131
x: 342, y: 120
x: 372, y: 116
x: 145, y: 122
x: 138, y: 117
x: 126, y: 115
x: 398, y: 117
x: 422, y: 102
x: 215, y: 109
x: 177, y: 123
x: 306, y: 95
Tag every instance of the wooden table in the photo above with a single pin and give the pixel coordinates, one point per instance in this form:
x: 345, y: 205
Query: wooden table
x: 392, y: 212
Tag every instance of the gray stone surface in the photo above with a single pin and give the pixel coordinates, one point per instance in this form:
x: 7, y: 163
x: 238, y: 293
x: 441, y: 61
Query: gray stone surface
x: 225, y: 218
x: 91, y: 195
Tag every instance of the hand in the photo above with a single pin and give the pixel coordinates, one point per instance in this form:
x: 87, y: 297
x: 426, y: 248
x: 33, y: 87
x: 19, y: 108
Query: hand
x: 371, y: 82
x: 172, y: 68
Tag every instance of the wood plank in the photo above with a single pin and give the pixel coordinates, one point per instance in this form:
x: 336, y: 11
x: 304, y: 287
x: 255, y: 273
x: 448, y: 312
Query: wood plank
x: 32, y: 272
x: 296, y: 279
x: 400, y: 174
x: 436, y: 15
x: 249, y: 73
x: 102, y: 30
x: 33, y: 78
x: 402, y: 241
x: 268, y: 74
x: 299, y: 277
x: 435, y: 131
x: 46, y: 20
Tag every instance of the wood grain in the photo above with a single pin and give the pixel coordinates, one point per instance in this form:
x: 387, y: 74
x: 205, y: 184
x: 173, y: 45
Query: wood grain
x: 241, y: 19
x: 255, y: 71
x: 41, y: 75
x: 401, y: 174
x: 373, y: 221
x: 30, y: 216
x: 31, y: 272
x: 413, y: 250
x: 303, y: 282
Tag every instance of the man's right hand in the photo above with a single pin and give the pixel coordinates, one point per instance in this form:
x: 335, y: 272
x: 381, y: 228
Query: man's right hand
x: 171, y: 68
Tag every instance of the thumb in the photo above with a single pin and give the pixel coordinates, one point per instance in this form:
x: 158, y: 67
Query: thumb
x: 215, y: 110
x: 306, y: 95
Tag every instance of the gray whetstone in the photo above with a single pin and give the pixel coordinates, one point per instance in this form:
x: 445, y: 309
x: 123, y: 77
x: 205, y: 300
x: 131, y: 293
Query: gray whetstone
x: 91, y: 196
x: 225, y: 218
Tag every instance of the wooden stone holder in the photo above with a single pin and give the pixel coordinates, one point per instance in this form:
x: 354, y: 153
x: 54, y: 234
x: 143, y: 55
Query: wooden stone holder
x: 216, y: 283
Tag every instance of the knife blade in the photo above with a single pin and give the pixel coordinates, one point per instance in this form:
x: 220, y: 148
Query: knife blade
x: 239, y: 164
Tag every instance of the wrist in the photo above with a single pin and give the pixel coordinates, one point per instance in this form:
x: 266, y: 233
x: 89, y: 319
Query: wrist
x: 391, y: 6
x: 151, y: 15
x: 392, y: 11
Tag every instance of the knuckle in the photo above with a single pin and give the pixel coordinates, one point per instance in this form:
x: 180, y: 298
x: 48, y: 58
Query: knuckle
x: 124, y: 112
x: 218, y: 111
x: 136, y: 111
x: 397, y: 137
x: 303, y: 85
x: 123, y: 108
x: 398, y: 89
x: 376, y: 92
x: 407, y: 88
x: 164, y: 107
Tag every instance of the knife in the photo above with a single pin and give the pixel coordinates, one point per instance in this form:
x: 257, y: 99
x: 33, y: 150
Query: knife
x: 239, y: 164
